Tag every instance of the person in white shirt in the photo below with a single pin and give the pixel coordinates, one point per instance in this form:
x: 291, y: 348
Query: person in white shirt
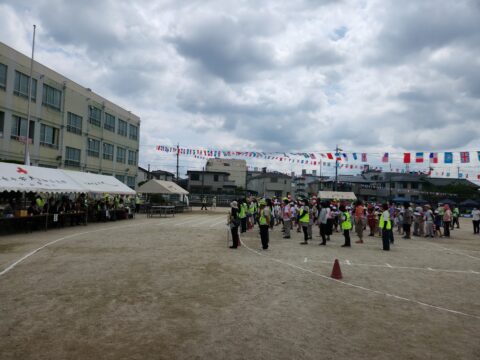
x: 476, y: 220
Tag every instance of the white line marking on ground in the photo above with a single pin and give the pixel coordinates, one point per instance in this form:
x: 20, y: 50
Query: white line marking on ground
x: 205, y: 221
x: 224, y: 220
x: 23, y: 258
x: 360, y: 287
x: 305, y: 260
x: 388, y: 265
x: 348, y: 262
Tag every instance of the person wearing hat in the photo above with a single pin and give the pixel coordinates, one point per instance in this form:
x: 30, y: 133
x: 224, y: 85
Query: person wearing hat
x: 429, y: 218
x: 407, y: 221
x: 242, y: 214
x: 447, y: 220
x: 346, y: 224
x: 304, y: 220
x: 286, y: 216
x: 234, y: 222
x: 476, y: 220
x: 264, y: 222
x: 385, y: 224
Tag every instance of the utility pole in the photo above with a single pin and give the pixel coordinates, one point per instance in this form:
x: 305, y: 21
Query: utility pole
x: 203, y: 179
x: 337, y: 149
x: 30, y: 82
x: 458, y: 172
x: 148, y: 176
x: 320, y: 186
x: 178, y: 158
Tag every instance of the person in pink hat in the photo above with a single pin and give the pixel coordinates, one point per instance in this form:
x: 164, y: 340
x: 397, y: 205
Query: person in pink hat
x: 447, y: 220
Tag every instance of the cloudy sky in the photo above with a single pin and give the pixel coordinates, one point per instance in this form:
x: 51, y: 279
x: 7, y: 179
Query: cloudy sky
x: 292, y: 75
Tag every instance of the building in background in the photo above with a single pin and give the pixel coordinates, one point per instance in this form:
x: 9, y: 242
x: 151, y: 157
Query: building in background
x: 144, y: 175
x: 236, y: 168
x: 70, y: 126
x: 210, y: 182
x: 270, y: 184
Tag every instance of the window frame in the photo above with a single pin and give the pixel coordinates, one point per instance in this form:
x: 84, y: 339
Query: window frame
x: 4, y: 85
x: 105, y: 154
x: 18, y: 132
x: 93, y: 120
x: 72, y: 128
x: 120, y: 128
x: 92, y: 152
x: 132, y: 162
x: 133, y: 136
x: 119, y: 151
x: 55, y: 132
x: 49, y: 91
x: 18, y: 91
x: 72, y: 162
x: 108, y: 126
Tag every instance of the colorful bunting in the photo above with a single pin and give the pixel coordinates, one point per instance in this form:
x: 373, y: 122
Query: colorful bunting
x: 448, y: 158
x: 434, y: 158
x: 464, y: 157
x: 419, y: 157
x: 406, y: 158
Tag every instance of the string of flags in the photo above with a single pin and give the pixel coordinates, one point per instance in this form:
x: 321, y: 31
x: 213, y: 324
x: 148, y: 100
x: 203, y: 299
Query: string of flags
x: 316, y: 158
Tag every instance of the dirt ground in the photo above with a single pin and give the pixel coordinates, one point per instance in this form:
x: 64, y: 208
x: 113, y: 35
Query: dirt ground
x: 170, y: 288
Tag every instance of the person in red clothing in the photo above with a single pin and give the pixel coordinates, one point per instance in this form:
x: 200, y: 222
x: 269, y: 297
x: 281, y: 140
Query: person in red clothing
x: 371, y: 220
x: 359, y: 219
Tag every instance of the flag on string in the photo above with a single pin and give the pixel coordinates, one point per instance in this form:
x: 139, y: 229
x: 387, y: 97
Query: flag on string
x: 345, y: 156
x: 406, y: 158
x: 385, y: 158
x: 478, y: 176
x: 478, y: 155
x: 434, y: 158
x: 448, y: 158
x: 419, y: 157
x: 330, y: 156
x: 364, y: 157
x: 465, y: 157
x: 354, y: 156
x: 338, y: 157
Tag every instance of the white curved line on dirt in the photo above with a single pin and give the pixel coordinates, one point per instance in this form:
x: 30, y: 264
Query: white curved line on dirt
x: 361, y: 287
x: 26, y: 256
x: 388, y: 266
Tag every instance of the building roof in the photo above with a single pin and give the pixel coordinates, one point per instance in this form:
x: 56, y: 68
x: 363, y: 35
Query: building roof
x: 446, y: 182
x: 270, y: 175
x: 162, y: 172
x: 207, y: 172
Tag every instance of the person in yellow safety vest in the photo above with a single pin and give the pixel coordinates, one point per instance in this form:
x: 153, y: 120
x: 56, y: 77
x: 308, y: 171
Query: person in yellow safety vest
x: 264, y: 222
x: 40, y: 203
x: 252, y: 210
x: 242, y: 214
x: 304, y: 220
x: 346, y: 224
x: 385, y: 224
x: 137, y: 204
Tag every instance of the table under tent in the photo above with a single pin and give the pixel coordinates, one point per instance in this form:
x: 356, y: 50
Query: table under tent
x: 96, y: 196
x: 174, y: 197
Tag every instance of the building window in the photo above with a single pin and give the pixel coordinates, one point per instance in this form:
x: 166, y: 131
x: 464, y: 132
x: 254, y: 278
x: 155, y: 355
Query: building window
x: 109, y: 122
x: 215, y: 177
x: 133, y: 132
x: 121, y: 155
x: 274, y: 180
x: 131, y: 181
x: 72, y: 157
x: 120, y: 178
x: 2, y: 123
x: 95, y: 116
x: 74, y: 123
x: 132, y: 157
x: 48, y: 136
x: 122, y: 127
x: 3, y: 76
x: 93, y: 148
x: 414, y: 185
x: 108, y: 151
x: 19, y: 128
x: 21, y: 85
x: 51, y: 97
x: 195, y: 177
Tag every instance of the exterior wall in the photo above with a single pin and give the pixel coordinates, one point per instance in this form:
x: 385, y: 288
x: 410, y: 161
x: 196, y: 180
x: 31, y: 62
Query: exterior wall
x: 236, y: 168
x: 209, y: 183
x: 264, y: 186
x: 74, y: 99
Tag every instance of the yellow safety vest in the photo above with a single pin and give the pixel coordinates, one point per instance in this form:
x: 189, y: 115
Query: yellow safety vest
x: 263, y: 218
x: 243, y: 211
x: 382, y: 223
x: 305, y: 218
x: 347, y: 223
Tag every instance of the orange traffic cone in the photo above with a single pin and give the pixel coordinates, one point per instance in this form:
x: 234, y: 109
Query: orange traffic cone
x: 336, y: 272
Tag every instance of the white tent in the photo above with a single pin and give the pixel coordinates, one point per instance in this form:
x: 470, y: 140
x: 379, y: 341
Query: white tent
x: 99, y: 184
x: 337, y: 195
x: 155, y: 186
x: 14, y: 177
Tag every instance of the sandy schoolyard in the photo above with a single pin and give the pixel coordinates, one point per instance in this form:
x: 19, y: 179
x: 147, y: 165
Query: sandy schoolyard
x: 170, y: 288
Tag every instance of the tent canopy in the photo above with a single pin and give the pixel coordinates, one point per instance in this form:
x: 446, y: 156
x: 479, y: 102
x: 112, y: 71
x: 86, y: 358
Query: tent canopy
x: 155, y: 186
x: 340, y: 195
x: 469, y: 203
x: 14, y: 177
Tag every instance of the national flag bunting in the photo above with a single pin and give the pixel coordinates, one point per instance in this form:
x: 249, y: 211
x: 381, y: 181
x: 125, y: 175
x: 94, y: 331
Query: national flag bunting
x: 419, y: 157
x: 465, y: 157
x: 330, y: 156
x: 385, y: 158
x: 434, y: 158
x: 406, y: 158
x: 364, y: 157
x: 448, y: 158
x: 354, y: 156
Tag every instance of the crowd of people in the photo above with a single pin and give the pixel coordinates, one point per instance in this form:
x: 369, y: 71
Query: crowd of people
x: 381, y: 220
